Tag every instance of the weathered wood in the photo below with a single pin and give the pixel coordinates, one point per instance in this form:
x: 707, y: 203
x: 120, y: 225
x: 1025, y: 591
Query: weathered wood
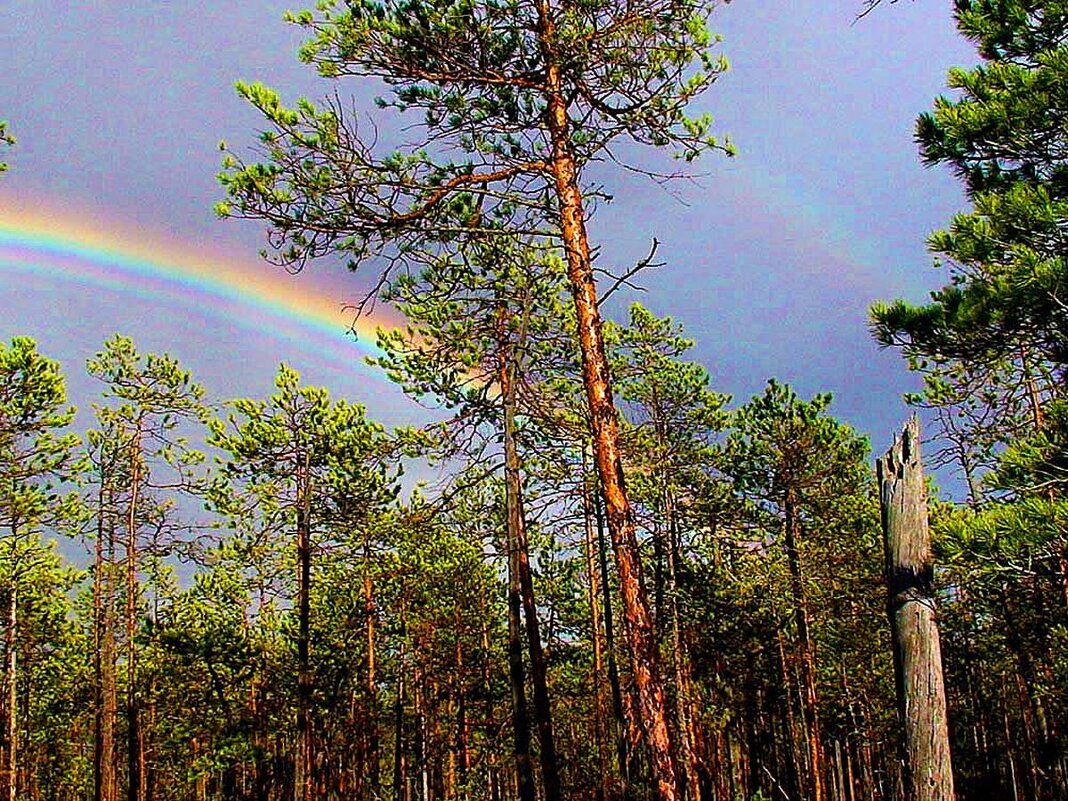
x: 911, y: 608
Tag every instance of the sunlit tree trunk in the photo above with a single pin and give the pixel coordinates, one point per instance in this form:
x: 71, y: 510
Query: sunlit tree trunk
x: 638, y: 624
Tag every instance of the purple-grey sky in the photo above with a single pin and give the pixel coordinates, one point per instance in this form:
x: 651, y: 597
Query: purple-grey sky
x: 772, y: 257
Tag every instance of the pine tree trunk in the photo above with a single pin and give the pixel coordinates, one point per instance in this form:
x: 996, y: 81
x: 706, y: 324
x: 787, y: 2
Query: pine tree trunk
x: 148, y: 772
x: 520, y: 550
x: 917, y: 652
x: 618, y: 713
x: 683, y: 708
x: 463, y: 733
x: 817, y: 762
x: 520, y: 715
x: 400, y: 769
x: 493, y: 782
x: 600, y: 722
x: 794, y: 743
x: 134, y: 777
x: 421, y: 749
x: 303, y: 780
x: 260, y: 770
x: 638, y: 625
x: 106, y: 784
x: 11, y: 731
x: 372, y: 680
x: 98, y: 646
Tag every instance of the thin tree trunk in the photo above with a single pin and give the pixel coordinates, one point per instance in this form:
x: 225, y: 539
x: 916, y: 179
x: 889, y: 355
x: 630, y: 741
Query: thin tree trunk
x: 105, y: 766
x: 135, y: 779
x: 520, y: 551
x: 789, y: 718
x: 520, y: 715
x: 372, y: 679
x: 618, y: 713
x: 1008, y: 754
x: 600, y: 723
x: 421, y: 746
x: 492, y: 769
x: 11, y: 731
x: 917, y: 652
x: 638, y: 626
x: 683, y: 708
x: 98, y: 646
x: 817, y: 762
x: 463, y: 734
x: 303, y: 779
x: 400, y: 770
x: 200, y: 784
x: 148, y: 772
x: 260, y: 770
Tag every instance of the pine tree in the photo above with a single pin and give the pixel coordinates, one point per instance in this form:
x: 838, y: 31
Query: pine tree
x: 301, y: 463
x: 517, y: 98
x: 674, y: 419
x: 1004, y: 135
x: 796, y: 461
x: 470, y: 344
x: 35, y: 459
x: 141, y: 447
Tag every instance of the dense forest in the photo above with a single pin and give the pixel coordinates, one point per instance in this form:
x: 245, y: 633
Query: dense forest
x: 591, y: 576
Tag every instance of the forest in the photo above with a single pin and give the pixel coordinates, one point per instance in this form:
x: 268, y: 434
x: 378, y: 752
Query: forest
x: 591, y: 575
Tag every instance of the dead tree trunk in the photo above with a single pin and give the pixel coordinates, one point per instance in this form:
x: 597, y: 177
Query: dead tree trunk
x: 917, y: 653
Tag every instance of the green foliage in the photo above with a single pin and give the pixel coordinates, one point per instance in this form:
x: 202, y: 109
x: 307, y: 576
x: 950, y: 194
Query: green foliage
x: 152, y: 400
x: 479, y: 76
x: 782, y: 447
x: 36, y: 457
x: 1004, y: 134
x: 1037, y: 460
x: 300, y: 436
x: 51, y: 646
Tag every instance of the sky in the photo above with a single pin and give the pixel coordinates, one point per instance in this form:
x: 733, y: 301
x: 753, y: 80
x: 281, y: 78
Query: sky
x: 772, y: 258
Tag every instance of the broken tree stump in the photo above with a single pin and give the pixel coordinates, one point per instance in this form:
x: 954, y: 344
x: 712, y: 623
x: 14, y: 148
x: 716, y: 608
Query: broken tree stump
x: 921, y: 693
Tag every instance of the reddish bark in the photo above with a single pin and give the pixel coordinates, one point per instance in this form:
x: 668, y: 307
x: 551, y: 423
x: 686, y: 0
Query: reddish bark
x: 638, y: 626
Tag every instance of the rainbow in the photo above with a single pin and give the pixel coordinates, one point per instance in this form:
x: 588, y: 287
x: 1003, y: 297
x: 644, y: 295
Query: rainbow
x: 254, y: 296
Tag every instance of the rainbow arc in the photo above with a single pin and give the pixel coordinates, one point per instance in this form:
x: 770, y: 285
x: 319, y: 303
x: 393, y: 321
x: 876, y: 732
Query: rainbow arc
x: 255, y: 297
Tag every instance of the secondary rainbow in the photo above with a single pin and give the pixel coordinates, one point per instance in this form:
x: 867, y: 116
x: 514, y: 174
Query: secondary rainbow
x: 256, y: 297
